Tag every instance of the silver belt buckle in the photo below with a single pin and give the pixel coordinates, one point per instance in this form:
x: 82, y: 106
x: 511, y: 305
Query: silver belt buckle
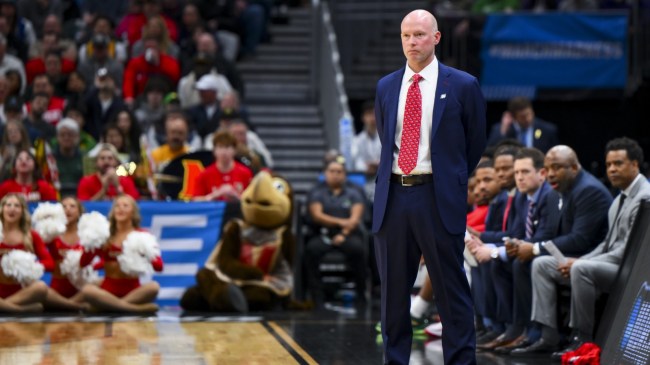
x: 403, y: 183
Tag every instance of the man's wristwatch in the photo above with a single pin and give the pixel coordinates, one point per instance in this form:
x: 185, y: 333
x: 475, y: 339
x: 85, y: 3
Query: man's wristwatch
x: 536, y: 249
x: 494, y: 253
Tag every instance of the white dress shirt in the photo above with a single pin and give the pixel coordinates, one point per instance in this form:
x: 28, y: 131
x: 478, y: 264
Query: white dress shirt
x: 428, y: 85
x: 366, y: 149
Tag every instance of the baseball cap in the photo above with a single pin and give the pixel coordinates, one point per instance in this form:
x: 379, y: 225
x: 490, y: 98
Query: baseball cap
x: 67, y: 123
x: 208, y: 82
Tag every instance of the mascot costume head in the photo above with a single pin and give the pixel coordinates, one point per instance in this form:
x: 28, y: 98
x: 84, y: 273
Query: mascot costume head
x: 251, y: 267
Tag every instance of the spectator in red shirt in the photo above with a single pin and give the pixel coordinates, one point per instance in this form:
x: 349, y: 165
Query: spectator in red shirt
x: 226, y: 179
x: 37, y: 65
x: 140, y: 69
x: 55, y: 105
x: 132, y: 24
x: 26, y: 180
x: 105, y: 184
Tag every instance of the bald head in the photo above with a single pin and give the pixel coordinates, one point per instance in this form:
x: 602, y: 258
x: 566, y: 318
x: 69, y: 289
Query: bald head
x: 564, y: 154
x: 424, y: 16
x: 420, y: 35
x: 562, y: 167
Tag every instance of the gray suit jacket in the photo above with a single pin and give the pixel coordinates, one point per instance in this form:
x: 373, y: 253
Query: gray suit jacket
x: 620, y: 230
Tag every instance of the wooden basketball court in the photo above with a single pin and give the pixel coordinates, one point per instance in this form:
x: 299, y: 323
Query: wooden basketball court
x: 325, y: 337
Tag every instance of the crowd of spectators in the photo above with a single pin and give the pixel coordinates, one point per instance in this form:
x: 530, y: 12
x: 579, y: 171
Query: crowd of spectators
x: 97, y: 97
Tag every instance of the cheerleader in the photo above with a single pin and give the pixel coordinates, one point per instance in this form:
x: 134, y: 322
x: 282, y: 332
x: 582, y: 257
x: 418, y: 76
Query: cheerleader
x: 17, y: 235
x: 62, y: 294
x: 119, y: 291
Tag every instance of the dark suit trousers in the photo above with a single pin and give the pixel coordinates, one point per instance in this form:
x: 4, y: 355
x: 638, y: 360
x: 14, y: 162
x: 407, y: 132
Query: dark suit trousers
x: 412, y: 227
x: 483, y: 292
x: 501, y: 277
x: 514, y: 291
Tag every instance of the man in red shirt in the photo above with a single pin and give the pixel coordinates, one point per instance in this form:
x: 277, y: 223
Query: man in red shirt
x: 105, y: 184
x: 140, y: 69
x: 226, y: 179
x: 37, y: 66
x: 55, y: 105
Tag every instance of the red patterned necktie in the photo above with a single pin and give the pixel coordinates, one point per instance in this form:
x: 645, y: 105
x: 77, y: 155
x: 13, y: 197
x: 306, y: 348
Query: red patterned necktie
x: 408, y: 149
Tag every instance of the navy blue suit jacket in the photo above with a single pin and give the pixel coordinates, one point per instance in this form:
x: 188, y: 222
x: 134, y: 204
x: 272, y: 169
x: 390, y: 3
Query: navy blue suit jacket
x: 515, y: 226
x: 544, y: 135
x: 581, y: 222
x: 457, y: 141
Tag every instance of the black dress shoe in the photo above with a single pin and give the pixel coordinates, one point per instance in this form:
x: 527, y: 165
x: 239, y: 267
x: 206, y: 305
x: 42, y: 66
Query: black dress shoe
x: 575, y: 344
x: 500, y: 341
x: 505, y: 350
x: 537, y: 348
x: 488, y: 337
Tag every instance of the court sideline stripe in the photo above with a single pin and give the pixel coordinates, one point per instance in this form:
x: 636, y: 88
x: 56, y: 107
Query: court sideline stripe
x: 289, y: 344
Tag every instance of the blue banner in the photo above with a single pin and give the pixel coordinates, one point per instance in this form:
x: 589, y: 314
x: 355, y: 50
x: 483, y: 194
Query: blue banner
x: 522, y: 53
x: 187, y: 233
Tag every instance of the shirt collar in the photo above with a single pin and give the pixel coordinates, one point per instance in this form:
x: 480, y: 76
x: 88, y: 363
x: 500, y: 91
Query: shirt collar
x: 536, y: 194
x: 430, y: 72
x: 628, y: 190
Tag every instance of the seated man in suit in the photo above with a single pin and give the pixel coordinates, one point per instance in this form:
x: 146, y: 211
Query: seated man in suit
x: 593, y: 273
x: 519, y: 122
x: 482, y: 291
x: 336, y: 212
x: 512, y: 276
x: 581, y: 223
x: 501, y: 225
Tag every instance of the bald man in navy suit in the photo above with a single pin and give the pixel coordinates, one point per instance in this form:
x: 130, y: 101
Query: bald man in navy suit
x: 421, y: 192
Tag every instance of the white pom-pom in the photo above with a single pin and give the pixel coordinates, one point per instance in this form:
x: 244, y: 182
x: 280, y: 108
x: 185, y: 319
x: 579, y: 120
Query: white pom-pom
x: 78, y: 276
x: 23, y: 266
x: 138, y: 250
x: 49, y: 220
x: 93, y: 230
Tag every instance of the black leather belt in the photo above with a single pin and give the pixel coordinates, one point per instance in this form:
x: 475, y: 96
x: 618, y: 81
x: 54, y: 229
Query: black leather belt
x: 411, y: 180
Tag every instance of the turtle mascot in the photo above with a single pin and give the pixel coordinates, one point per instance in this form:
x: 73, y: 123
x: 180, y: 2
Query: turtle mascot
x: 251, y: 267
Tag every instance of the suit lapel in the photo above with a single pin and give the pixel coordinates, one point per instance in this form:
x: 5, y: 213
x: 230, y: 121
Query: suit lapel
x: 393, y: 96
x: 439, y: 103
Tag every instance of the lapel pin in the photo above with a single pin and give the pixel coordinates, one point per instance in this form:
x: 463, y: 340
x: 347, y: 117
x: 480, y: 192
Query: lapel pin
x: 538, y: 133
x: 443, y: 96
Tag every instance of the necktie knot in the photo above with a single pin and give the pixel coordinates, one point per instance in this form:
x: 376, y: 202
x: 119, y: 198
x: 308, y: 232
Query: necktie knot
x: 416, y: 78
